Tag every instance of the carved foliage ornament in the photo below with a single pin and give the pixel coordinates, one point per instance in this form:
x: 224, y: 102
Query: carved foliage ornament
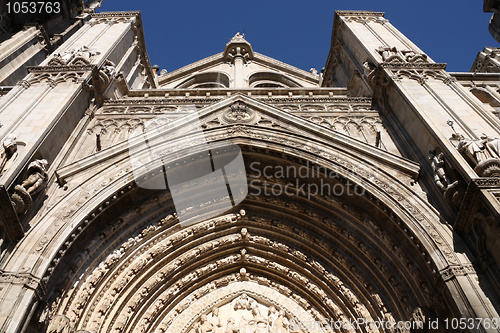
x: 392, y: 54
x: 239, y: 112
x: 75, y: 57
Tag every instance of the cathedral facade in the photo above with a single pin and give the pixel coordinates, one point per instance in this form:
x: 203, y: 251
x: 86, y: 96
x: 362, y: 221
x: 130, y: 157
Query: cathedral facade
x: 240, y: 193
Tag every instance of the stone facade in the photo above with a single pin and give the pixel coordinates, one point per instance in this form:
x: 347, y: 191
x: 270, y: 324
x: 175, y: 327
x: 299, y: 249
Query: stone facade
x: 391, y: 218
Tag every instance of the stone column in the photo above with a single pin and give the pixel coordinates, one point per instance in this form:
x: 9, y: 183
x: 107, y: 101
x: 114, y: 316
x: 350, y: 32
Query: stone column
x: 42, y: 111
x: 423, y: 99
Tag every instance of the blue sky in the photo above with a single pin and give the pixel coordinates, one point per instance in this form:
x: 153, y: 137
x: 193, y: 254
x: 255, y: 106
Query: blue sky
x: 298, y: 32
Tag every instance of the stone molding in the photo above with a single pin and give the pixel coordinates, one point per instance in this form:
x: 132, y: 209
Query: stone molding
x: 413, y: 65
x: 25, y: 279
x: 453, y: 271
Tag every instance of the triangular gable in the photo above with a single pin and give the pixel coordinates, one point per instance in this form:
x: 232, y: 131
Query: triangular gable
x: 217, y: 64
x: 241, y: 110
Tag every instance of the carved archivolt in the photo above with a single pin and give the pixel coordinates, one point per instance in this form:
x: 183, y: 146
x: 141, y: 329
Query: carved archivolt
x: 369, y: 261
x: 111, y: 283
x: 365, y: 19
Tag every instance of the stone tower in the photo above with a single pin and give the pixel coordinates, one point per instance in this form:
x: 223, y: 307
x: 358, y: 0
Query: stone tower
x: 370, y: 191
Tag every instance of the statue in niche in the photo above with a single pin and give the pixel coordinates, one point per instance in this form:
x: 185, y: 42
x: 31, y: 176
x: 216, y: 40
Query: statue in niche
x: 22, y: 198
x: 59, y: 324
x: 437, y: 164
x: 281, y: 324
x: 9, y: 152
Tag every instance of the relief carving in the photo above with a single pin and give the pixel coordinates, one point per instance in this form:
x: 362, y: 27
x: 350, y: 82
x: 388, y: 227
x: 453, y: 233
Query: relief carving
x: 59, y: 324
x: 77, y: 57
x: 242, y: 315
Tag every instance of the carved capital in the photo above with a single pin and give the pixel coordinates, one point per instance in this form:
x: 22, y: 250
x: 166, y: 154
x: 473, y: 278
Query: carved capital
x: 453, y: 271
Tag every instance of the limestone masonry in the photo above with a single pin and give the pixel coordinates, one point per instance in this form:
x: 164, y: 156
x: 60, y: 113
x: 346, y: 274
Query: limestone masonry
x: 363, y: 197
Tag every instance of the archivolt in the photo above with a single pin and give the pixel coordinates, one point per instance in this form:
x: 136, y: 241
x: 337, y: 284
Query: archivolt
x: 376, y: 255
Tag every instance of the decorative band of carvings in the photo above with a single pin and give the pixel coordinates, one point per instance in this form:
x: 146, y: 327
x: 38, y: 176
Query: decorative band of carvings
x: 484, y: 182
x: 411, y: 65
x: 39, y: 69
x: 203, y: 100
x: 358, y: 13
x: 366, y: 100
x: 161, y: 101
x: 26, y: 279
x: 116, y: 14
x: 456, y: 270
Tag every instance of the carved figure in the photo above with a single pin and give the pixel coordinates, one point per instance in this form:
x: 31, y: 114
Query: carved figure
x: 473, y: 149
x: 9, y: 153
x: 205, y: 325
x: 32, y: 184
x: 281, y: 323
x: 215, y: 321
x: 483, y: 153
x: 195, y: 329
x: 82, y: 54
x: 271, y: 316
x: 242, y: 303
x: 109, y: 68
x: 258, y: 323
x: 437, y: 164
x: 389, y: 54
x: 231, y: 326
x: 59, y: 324
x: 368, y: 68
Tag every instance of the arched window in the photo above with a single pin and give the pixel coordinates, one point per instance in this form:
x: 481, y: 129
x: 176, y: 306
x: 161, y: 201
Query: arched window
x: 206, y: 80
x: 485, y: 96
x: 271, y: 80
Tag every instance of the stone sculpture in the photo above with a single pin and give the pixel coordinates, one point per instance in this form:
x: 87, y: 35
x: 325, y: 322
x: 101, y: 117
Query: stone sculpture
x: 484, y: 154
x: 9, y: 153
x: 22, y: 198
x: 281, y: 323
x: 437, y: 164
x: 59, y: 324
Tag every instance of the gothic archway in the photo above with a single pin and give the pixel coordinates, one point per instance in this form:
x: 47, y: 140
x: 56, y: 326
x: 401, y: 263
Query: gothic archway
x: 380, y: 254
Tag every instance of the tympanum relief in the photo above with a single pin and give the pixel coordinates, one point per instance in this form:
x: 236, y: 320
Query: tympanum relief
x: 244, y: 314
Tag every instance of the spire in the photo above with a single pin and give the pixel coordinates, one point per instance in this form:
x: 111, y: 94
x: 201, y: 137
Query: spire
x: 238, y: 47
